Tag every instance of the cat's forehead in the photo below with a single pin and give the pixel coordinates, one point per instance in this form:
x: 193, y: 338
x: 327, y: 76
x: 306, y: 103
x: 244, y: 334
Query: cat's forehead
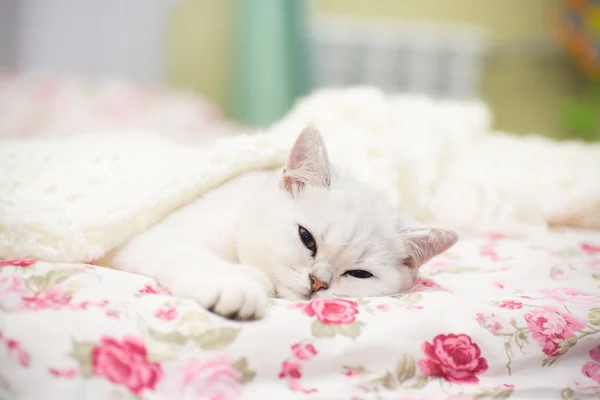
x: 347, y: 203
x: 354, y: 224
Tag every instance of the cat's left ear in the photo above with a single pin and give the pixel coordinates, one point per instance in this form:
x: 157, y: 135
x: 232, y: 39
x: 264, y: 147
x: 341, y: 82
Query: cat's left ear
x: 308, y: 163
x: 424, y: 242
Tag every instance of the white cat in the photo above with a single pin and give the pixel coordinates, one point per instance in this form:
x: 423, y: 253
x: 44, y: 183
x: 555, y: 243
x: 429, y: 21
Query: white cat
x: 301, y: 233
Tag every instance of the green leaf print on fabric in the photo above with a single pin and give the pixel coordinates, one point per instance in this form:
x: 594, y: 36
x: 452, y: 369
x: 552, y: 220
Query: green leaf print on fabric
x: 82, y: 353
x: 40, y: 283
x: 216, y: 339
x: 406, y: 368
x: 247, y: 375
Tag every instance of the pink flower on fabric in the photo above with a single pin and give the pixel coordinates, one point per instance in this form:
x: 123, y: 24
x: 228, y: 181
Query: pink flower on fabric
x: 511, y: 304
x: 498, y: 284
x: 65, y: 373
x: 495, y: 327
x: 18, y: 262
x: 11, y: 284
x: 50, y: 298
x: 591, y: 370
x: 571, y: 295
x: 166, y: 314
x: 454, y: 358
x: 549, y: 327
x: 294, y: 385
x: 422, y: 284
x: 351, y: 372
x: 384, y: 307
x: 216, y: 379
x: 125, y: 363
x: 290, y: 368
x: 595, y: 353
x: 303, y: 351
x: 15, y: 350
x: 154, y: 290
x: 590, y: 248
x: 480, y: 318
x: 332, y: 311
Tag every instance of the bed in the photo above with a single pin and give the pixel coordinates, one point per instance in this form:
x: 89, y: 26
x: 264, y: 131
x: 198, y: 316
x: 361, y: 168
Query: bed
x: 501, y: 315
x: 495, y: 317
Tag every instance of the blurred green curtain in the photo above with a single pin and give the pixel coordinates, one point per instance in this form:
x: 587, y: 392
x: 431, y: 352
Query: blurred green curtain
x: 271, y: 59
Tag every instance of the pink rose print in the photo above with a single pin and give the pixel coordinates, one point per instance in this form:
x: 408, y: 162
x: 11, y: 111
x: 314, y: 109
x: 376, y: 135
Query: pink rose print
x: 19, y: 262
x: 14, y: 350
x: 11, y: 284
x: 303, y: 351
x: 384, y: 307
x: 332, y: 311
x: 422, y: 284
x: 495, y: 327
x: 498, y: 284
x: 454, y: 358
x: 480, y: 318
x: 549, y: 327
x: 591, y: 370
x: 488, y: 250
x: 511, y: 304
x: 64, y: 373
x: 295, y: 386
x: 351, y: 372
x: 290, y: 368
x: 154, y: 290
x: 574, y: 296
x: 595, y: 354
x: 166, y: 314
x: 50, y: 298
x: 590, y: 248
x: 125, y: 363
x: 216, y: 379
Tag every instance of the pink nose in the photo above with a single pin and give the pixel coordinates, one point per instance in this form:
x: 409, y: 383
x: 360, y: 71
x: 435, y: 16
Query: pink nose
x: 316, y: 284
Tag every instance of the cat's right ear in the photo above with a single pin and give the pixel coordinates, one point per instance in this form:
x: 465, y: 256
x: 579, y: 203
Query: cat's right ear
x: 308, y: 163
x: 422, y: 243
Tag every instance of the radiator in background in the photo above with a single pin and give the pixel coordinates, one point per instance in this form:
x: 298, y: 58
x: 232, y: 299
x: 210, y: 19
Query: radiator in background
x: 432, y: 59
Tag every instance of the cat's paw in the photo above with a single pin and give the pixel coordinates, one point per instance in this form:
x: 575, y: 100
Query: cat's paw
x: 233, y: 296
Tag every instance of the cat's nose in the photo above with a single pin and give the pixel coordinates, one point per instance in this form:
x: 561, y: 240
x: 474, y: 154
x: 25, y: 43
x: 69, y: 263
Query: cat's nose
x: 316, y: 284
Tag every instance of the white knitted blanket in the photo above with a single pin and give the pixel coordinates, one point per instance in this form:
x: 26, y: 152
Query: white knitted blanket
x: 76, y: 199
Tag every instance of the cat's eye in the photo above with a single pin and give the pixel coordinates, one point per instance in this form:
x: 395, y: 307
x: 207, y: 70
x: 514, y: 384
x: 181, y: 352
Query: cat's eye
x: 307, y: 240
x: 358, y: 273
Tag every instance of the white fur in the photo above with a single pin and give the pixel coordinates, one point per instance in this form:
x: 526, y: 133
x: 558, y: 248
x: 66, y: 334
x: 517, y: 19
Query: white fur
x: 240, y: 243
x: 75, y: 199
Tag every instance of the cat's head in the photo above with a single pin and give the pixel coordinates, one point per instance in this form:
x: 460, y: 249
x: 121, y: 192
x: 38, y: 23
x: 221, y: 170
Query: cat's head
x: 318, y: 234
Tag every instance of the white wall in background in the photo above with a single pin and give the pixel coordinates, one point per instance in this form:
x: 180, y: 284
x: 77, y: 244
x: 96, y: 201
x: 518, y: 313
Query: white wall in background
x: 116, y: 38
x: 438, y: 60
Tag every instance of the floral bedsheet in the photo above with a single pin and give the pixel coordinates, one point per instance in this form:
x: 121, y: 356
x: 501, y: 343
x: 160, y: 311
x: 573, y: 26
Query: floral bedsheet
x: 495, y: 317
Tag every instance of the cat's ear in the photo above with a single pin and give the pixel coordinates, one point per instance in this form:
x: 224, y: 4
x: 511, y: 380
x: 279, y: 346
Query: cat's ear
x: 308, y: 163
x: 421, y: 243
